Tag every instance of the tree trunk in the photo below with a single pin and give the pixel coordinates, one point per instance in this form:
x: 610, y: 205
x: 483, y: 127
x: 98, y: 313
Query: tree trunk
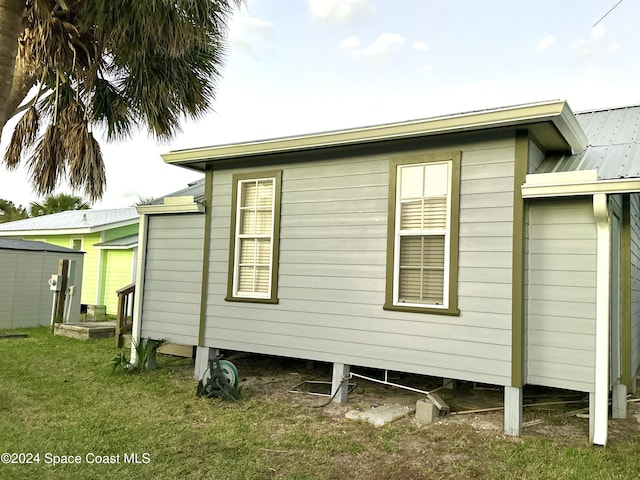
x: 11, y: 26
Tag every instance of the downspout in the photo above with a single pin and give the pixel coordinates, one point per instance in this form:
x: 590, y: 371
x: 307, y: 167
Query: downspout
x: 136, y: 328
x: 603, y: 278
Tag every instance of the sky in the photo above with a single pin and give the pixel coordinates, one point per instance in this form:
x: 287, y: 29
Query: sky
x: 304, y: 66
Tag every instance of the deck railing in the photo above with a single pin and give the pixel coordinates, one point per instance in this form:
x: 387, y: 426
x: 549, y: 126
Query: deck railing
x: 124, y: 321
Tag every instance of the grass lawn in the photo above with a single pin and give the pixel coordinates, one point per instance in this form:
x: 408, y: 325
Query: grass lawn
x: 59, y: 401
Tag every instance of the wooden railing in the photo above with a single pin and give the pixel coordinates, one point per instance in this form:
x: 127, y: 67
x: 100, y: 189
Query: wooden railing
x: 124, y: 321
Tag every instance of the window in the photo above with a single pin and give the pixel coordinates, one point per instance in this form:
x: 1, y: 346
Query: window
x: 422, y: 259
x: 76, y: 244
x: 253, y: 260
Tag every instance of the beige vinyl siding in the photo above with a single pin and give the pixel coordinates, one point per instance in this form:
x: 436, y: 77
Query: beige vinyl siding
x: 173, y: 278
x: 561, y: 298
x: 635, y: 283
x: 331, y: 284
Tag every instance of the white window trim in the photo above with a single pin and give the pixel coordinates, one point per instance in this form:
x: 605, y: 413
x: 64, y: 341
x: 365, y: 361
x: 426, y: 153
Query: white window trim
x: 398, y: 234
x: 239, y: 236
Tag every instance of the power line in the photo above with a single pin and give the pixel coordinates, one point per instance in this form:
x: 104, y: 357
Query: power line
x: 610, y: 10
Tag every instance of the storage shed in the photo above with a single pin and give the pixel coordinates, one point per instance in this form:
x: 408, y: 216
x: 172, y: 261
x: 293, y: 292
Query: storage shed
x: 25, y: 297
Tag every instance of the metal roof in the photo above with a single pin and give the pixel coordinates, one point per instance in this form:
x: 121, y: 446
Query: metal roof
x: 29, y: 245
x: 72, y: 221
x: 613, y: 145
x: 194, y: 189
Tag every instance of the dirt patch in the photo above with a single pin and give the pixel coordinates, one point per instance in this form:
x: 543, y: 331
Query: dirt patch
x: 555, y: 414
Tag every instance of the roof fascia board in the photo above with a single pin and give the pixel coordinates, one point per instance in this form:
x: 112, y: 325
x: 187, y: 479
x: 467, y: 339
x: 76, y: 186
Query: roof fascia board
x: 172, y: 205
x: 68, y: 231
x: 40, y: 233
x: 631, y: 185
x: 556, y: 112
x: 131, y: 246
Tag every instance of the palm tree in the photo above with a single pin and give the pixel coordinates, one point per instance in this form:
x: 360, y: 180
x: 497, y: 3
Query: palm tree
x: 57, y: 203
x: 10, y: 212
x: 116, y: 64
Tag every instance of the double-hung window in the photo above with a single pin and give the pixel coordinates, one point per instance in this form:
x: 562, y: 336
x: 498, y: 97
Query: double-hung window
x: 423, y: 233
x: 255, y: 223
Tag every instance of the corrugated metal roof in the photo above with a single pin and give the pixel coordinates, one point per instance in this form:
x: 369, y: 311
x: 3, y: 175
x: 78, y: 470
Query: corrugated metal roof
x: 84, y: 220
x: 195, y: 189
x: 29, y: 245
x: 613, y: 146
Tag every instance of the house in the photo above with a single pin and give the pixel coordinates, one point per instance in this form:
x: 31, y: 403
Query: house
x: 26, y: 266
x: 499, y: 246
x: 108, y: 237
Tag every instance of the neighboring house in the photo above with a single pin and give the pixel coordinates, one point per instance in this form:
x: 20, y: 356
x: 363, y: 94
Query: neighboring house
x: 499, y: 246
x: 26, y: 299
x: 108, y: 237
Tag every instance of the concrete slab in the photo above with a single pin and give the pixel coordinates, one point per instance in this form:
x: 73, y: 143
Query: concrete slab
x: 86, y: 330
x: 381, y: 415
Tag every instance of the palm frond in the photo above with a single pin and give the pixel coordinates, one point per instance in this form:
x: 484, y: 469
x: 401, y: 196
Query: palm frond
x: 23, y: 138
x: 86, y: 165
x: 112, y: 110
x: 120, y: 64
x: 72, y: 114
x: 48, y: 161
x: 98, y: 179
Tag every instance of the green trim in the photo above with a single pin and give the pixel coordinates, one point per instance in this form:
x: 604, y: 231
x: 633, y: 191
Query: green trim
x: 206, y: 251
x: 277, y: 174
x: 521, y: 168
x: 625, y: 292
x: 455, y: 159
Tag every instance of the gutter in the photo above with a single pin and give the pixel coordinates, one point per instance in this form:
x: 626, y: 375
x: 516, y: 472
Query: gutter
x: 575, y: 183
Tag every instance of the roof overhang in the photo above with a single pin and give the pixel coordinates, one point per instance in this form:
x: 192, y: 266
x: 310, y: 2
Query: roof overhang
x: 68, y: 231
x: 124, y: 243
x: 552, y: 123
x: 581, y: 182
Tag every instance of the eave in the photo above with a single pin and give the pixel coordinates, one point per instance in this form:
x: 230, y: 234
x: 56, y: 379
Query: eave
x: 553, y: 124
x: 68, y: 231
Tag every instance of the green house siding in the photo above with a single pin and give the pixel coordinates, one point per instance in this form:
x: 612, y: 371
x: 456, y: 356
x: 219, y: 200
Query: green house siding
x: 116, y: 273
x: 105, y: 271
x: 91, y: 259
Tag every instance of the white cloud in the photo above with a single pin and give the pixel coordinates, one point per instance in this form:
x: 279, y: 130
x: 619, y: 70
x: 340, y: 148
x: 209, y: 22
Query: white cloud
x: 420, y: 46
x: 248, y: 34
x: 545, y: 43
x: 337, y: 10
x: 384, y: 44
x: 350, y: 42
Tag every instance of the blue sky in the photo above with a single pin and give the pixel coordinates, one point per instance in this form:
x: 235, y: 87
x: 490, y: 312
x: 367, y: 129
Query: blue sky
x: 302, y: 66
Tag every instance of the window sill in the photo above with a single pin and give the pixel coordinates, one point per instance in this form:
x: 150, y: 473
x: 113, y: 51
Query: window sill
x: 272, y: 301
x: 452, y: 312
